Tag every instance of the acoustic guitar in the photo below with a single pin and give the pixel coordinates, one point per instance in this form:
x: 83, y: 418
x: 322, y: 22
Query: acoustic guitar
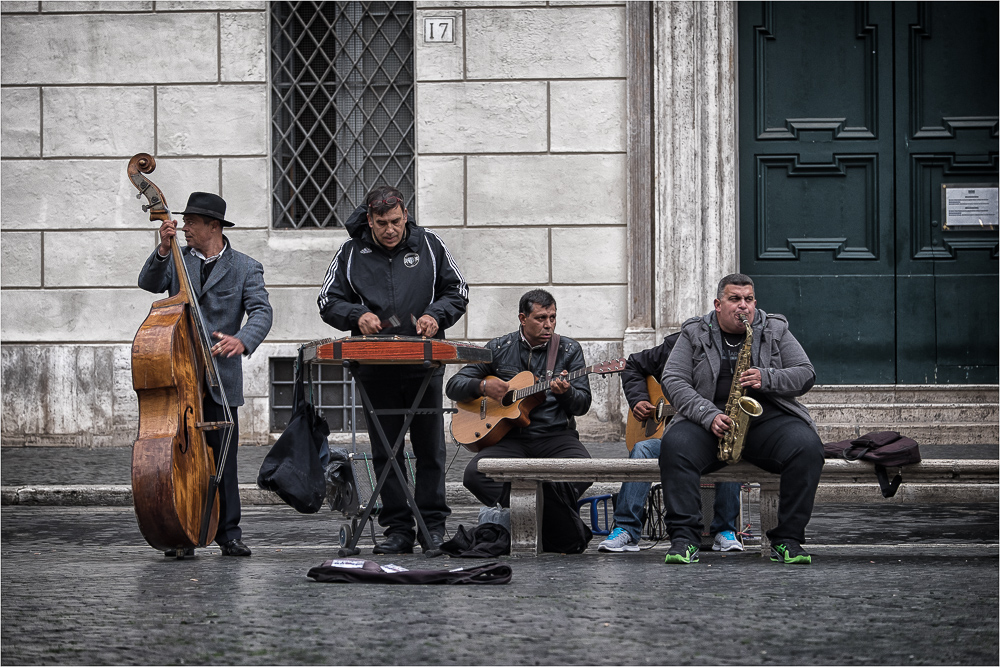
x: 483, y: 421
x: 652, y: 427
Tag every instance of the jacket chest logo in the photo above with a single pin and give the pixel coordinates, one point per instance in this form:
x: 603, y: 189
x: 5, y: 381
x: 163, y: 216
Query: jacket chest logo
x: 410, y: 260
x: 366, y: 251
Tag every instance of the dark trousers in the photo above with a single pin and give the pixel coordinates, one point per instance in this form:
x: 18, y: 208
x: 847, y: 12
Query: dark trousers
x: 783, y: 444
x: 229, y: 486
x: 565, y: 445
x: 395, y: 387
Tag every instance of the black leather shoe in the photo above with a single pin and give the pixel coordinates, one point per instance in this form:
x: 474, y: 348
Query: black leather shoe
x: 437, y: 540
x: 395, y: 543
x: 234, y: 548
x: 179, y: 553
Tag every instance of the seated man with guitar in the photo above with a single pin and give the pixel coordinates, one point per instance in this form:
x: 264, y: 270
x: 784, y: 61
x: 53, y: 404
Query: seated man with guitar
x: 506, y: 411
x: 648, y: 414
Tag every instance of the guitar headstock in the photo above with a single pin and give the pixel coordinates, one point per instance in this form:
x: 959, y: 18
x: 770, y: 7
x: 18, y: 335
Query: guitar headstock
x: 612, y: 366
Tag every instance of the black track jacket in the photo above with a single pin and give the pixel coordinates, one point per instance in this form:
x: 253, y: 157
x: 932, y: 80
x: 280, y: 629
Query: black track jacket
x: 419, y: 276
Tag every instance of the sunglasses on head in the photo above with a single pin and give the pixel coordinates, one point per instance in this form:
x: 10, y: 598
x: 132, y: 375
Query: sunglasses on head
x: 388, y: 201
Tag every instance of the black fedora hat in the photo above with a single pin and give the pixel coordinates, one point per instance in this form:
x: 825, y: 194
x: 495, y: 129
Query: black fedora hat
x: 209, y: 206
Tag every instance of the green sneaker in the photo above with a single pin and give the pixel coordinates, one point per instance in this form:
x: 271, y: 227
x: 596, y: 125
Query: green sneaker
x: 682, y: 551
x: 790, y: 552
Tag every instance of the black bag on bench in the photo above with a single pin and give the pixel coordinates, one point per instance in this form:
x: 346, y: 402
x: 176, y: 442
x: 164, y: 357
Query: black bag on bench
x: 886, y: 449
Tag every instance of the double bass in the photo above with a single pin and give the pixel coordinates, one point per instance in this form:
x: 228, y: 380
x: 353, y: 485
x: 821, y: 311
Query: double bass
x: 175, y: 477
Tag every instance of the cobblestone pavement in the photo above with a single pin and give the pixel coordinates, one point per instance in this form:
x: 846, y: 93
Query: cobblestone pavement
x: 889, y: 585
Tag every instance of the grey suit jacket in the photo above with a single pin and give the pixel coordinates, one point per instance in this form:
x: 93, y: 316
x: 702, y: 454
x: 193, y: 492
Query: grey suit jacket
x: 235, y: 288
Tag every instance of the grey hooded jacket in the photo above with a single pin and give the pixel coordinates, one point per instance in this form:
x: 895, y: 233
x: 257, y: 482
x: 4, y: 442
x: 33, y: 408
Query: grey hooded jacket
x: 692, y: 370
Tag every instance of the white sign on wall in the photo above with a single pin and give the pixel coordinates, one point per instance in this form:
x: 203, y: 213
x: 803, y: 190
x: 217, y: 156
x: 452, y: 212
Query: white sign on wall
x: 970, y: 206
x: 439, y: 29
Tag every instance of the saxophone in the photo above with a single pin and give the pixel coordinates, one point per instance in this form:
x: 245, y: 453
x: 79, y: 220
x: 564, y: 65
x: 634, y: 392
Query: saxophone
x: 739, y: 408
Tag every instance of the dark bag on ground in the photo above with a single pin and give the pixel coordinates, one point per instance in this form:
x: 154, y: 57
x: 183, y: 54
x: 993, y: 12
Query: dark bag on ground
x: 357, y: 571
x: 563, y: 531
x: 485, y: 540
x: 341, y: 485
x: 292, y: 468
x: 886, y: 449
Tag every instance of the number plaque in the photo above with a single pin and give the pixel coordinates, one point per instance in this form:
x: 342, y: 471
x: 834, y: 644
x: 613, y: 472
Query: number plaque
x: 439, y: 29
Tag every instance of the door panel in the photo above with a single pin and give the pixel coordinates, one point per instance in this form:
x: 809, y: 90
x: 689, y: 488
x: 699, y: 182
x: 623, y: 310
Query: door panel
x: 852, y: 117
x: 946, y: 129
x: 966, y: 337
x: 845, y: 322
x: 816, y: 192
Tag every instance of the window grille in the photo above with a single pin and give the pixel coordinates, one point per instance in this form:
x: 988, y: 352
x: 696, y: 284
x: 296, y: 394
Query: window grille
x: 341, y: 107
x: 332, y: 394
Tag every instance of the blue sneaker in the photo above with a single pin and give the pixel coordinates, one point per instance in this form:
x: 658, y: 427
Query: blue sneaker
x: 619, y: 540
x: 682, y: 551
x: 727, y: 541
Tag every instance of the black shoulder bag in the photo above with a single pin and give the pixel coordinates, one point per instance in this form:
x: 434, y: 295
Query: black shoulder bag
x: 292, y: 468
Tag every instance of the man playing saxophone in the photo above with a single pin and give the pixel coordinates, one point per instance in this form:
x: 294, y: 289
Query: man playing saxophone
x: 698, y: 380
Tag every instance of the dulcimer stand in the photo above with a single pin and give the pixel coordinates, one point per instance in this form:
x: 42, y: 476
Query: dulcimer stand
x: 430, y: 353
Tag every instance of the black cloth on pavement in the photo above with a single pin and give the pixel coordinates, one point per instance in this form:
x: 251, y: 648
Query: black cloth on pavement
x: 357, y: 571
x: 486, y: 540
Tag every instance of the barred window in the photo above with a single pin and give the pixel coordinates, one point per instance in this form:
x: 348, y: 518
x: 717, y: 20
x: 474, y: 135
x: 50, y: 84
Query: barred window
x: 333, y: 394
x: 341, y: 107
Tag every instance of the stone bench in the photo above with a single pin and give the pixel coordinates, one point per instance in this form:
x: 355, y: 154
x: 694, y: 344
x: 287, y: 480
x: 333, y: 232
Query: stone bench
x: 930, y: 481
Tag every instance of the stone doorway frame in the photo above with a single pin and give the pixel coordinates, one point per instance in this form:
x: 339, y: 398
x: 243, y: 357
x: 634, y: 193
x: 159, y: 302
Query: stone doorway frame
x: 682, y: 189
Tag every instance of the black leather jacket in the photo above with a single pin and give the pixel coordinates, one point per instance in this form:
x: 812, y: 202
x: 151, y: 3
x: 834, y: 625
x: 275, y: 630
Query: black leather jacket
x: 511, y: 355
x: 640, y: 364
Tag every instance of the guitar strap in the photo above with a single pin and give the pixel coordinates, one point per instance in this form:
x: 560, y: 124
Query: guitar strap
x: 550, y: 362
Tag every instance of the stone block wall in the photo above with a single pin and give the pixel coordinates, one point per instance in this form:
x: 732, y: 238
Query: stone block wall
x: 86, y: 85
x: 520, y: 132
x: 521, y: 129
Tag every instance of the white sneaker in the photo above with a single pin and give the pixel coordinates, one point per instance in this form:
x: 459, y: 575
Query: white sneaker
x: 618, y: 541
x: 727, y: 541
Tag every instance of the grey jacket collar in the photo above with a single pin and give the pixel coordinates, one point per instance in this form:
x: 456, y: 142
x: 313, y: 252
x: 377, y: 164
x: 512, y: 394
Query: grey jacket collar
x: 193, y: 263
x: 709, y: 334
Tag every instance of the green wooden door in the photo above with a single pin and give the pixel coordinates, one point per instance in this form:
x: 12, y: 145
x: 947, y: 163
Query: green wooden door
x: 946, y: 133
x: 846, y: 134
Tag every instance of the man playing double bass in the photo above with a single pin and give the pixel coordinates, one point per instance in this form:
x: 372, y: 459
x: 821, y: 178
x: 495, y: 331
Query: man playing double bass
x: 228, y: 285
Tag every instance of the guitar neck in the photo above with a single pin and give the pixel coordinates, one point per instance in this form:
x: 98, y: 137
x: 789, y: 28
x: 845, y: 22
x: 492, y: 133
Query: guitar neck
x: 542, y: 386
